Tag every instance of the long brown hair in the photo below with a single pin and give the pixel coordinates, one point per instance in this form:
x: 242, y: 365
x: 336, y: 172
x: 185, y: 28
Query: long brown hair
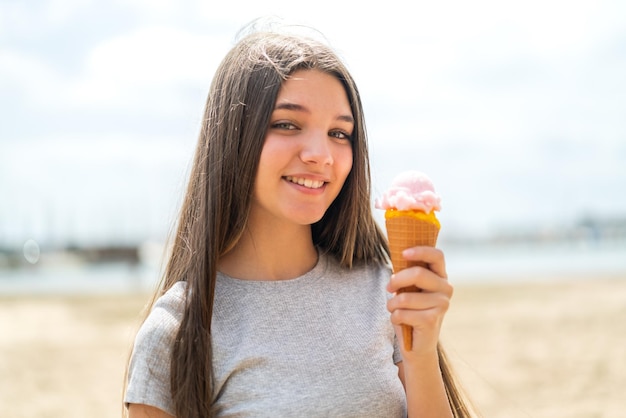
x: 218, y: 198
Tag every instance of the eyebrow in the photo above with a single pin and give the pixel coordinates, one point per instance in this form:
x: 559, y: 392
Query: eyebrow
x: 299, y: 108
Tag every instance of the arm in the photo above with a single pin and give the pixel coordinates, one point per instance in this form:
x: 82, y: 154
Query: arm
x: 136, y: 410
x: 424, y: 311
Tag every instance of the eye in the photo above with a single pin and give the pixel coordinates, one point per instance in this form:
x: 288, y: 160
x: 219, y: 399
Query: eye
x: 288, y: 126
x: 341, y: 135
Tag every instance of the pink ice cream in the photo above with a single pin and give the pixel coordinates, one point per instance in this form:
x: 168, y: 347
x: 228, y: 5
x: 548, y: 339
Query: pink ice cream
x: 410, y: 190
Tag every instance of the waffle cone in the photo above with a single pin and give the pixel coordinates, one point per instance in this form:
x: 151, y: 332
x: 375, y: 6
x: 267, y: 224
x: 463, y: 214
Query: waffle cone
x: 405, y: 231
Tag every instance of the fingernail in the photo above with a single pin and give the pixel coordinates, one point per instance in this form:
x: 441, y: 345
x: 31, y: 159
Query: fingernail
x: 407, y: 253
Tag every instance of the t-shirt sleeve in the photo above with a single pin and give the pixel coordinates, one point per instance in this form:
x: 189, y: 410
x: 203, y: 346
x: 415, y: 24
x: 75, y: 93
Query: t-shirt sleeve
x: 149, y: 368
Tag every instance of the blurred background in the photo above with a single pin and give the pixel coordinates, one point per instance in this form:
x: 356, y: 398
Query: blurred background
x: 514, y: 109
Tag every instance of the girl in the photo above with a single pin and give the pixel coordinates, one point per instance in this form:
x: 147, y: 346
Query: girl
x: 277, y: 298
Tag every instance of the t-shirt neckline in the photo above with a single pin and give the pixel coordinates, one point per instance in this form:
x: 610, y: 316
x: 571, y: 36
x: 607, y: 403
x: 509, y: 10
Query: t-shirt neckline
x: 315, y: 273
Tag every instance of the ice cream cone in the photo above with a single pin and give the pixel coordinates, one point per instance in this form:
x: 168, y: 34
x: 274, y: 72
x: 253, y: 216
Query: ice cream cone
x: 405, y: 229
x: 409, y: 206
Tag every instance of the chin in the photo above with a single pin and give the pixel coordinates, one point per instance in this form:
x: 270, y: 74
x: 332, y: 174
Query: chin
x: 309, y: 219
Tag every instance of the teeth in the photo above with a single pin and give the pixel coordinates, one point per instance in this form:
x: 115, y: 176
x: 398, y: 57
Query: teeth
x: 308, y: 183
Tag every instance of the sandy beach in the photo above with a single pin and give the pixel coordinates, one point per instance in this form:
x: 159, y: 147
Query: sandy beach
x: 546, y: 349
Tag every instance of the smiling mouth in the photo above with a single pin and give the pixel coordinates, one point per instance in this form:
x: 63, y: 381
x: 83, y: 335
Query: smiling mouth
x: 308, y: 183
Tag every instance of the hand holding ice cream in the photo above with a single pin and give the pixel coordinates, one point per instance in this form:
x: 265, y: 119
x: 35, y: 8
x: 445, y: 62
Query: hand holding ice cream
x: 410, y: 205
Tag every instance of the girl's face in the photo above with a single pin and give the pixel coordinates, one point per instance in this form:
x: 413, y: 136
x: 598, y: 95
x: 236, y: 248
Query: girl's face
x: 307, y: 153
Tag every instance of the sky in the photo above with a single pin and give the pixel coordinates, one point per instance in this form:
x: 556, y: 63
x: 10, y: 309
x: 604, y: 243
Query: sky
x: 514, y: 109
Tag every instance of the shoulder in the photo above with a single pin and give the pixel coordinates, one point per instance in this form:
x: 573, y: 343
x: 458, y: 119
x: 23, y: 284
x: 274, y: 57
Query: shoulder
x: 149, y: 368
x: 164, y: 319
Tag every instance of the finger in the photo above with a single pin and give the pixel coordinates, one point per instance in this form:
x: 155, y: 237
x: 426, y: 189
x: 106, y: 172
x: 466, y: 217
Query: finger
x: 418, y: 302
x: 420, y: 277
x: 433, y: 257
x: 424, y: 319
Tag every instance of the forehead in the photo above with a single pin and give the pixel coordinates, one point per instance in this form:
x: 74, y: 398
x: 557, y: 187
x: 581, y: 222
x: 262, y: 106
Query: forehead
x: 315, y: 87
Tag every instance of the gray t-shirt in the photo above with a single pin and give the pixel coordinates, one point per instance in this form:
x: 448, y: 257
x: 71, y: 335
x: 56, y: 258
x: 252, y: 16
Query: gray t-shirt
x: 320, y: 345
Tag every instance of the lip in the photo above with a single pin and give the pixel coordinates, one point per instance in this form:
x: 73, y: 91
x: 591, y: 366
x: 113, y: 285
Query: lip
x: 309, y: 178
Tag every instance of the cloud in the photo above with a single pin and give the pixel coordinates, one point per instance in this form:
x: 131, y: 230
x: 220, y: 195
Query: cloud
x: 147, y: 72
x: 27, y: 74
x: 31, y: 19
x: 508, y: 92
x: 124, y: 70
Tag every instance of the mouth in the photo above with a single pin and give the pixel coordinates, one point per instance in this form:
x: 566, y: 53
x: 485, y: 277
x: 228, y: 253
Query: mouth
x: 308, y: 183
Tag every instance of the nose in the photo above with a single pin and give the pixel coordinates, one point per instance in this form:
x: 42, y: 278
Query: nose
x: 317, y: 149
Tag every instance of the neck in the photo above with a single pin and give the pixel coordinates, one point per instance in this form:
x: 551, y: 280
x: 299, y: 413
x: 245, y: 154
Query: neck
x: 271, y: 252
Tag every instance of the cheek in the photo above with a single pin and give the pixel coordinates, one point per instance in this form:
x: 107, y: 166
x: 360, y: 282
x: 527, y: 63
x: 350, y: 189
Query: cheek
x: 276, y: 152
x: 344, y: 163
x: 271, y: 157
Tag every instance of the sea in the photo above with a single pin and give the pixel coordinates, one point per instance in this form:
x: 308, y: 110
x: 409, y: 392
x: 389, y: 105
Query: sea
x: 497, y: 264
